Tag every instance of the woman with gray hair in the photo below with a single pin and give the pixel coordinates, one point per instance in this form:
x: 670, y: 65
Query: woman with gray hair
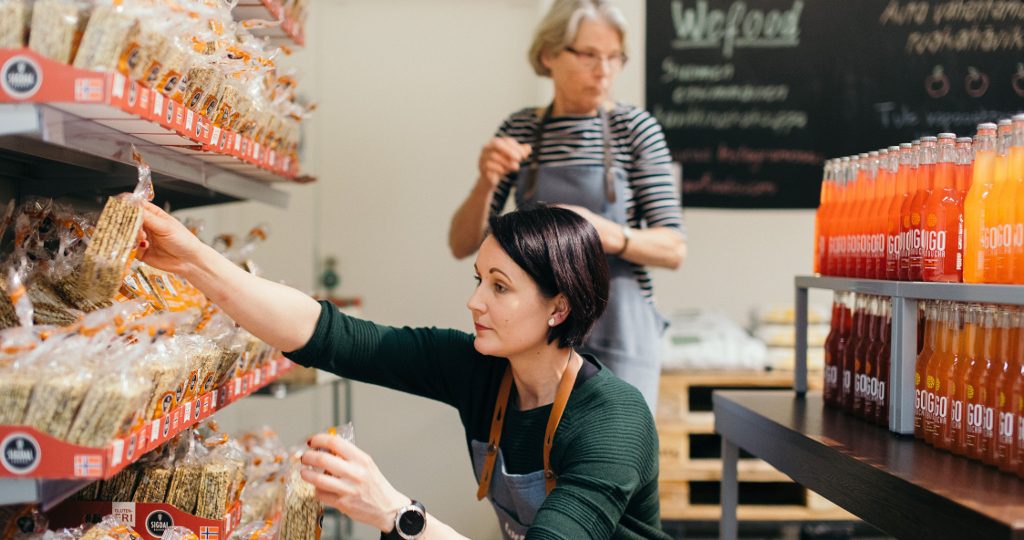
x: 606, y: 161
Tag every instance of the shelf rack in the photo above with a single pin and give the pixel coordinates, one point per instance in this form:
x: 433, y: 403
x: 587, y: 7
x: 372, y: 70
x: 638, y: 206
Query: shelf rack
x: 63, y: 469
x: 905, y: 296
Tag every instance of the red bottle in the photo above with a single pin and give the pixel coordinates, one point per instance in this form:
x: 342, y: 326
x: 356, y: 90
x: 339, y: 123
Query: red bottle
x: 863, y: 361
x: 977, y: 403
x: 835, y: 346
x: 906, y: 225
x: 925, y: 174
x: 943, y: 228
x: 893, y: 239
x: 849, y: 356
x: 880, y: 382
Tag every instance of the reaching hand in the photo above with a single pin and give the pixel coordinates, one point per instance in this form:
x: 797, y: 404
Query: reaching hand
x: 165, y: 243
x: 351, y: 482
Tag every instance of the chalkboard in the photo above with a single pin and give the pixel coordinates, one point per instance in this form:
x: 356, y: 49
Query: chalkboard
x: 754, y: 95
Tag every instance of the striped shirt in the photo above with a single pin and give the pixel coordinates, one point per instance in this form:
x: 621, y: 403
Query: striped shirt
x: 638, y: 146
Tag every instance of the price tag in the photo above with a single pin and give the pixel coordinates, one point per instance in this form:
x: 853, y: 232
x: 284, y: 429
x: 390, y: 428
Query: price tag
x: 118, y: 89
x: 154, y: 433
x: 273, y: 368
x: 238, y: 143
x: 256, y: 377
x: 188, y: 412
x: 188, y: 119
x: 117, y: 448
x: 158, y: 103
x: 238, y: 385
x: 215, y: 137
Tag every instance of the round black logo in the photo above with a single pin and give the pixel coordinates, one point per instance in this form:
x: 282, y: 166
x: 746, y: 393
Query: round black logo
x: 131, y: 447
x: 26, y: 524
x: 21, y: 454
x: 167, y: 425
x: 196, y: 412
x: 21, y: 77
x: 132, y: 93
x: 171, y: 83
x: 157, y: 522
x: 170, y: 111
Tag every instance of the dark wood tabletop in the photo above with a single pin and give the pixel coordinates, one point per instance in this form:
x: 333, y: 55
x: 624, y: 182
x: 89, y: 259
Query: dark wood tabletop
x: 901, y: 486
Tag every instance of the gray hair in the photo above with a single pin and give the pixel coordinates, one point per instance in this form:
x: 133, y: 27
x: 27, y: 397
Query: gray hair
x: 558, y: 28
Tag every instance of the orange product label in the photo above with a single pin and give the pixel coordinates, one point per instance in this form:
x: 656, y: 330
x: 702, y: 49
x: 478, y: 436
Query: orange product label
x: 130, y: 58
x: 164, y: 406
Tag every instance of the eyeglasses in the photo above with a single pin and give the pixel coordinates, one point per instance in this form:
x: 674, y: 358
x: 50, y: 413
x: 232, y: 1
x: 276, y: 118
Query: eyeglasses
x: 591, y: 60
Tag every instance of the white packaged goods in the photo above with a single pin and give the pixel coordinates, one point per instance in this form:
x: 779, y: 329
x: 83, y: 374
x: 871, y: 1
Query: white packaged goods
x: 710, y: 340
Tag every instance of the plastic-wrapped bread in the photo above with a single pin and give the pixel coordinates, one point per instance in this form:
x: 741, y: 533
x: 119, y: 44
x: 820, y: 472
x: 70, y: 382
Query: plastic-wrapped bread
x: 215, y: 488
x: 13, y: 23
x: 302, y: 510
x: 120, y: 487
x: 110, y: 528
x: 66, y: 373
x: 110, y: 30
x: 55, y: 26
x: 179, y: 533
x: 113, y: 402
x: 186, y: 482
x: 154, y: 480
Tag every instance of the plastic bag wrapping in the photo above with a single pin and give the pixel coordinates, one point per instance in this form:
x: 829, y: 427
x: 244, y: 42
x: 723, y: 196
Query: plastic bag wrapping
x: 302, y: 511
x: 202, y: 358
x: 18, y: 373
x: 179, y: 533
x: 110, y: 528
x: 256, y: 530
x: 154, y: 481
x: 56, y: 27
x: 67, y: 370
x: 119, y: 488
x: 114, y: 400
x: 107, y: 259
x: 186, y: 481
x: 112, y: 27
x: 14, y: 16
x: 216, y: 480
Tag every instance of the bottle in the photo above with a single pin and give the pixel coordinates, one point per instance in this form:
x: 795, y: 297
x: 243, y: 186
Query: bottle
x: 863, y: 189
x: 863, y: 362
x: 838, y: 249
x: 936, y: 410
x: 921, y: 366
x: 831, y: 386
x: 886, y: 187
x: 1017, y: 194
x: 977, y: 405
x: 820, y: 222
x: 1006, y: 375
x: 906, y: 226
x: 880, y: 380
x: 925, y: 173
x: 990, y: 385
x: 964, y: 164
x: 997, y: 269
x: 975, y: 220
x: 899, y: 161
x: 943, y: 226
x: 850, y: 356
x: 954, y: 391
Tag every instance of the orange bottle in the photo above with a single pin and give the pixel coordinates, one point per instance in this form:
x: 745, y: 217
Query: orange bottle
x: 838, y: 250
x: 1007, y: 373
x: 998, y: 206
x: 943, y: 237
x: 906, y: 225
x: 885, y: 186
x: 855, y: 264
x: 992, y: 380
x: 978, y: 405
x: 899, y: 163
x: 921, y: 366
x: 1017, y: 193
x: 925, y: 185
x: 821, y: 222
x: 952, y: 436
x: 936, y: 409
x: 976, y: 221
x: 964, y: 164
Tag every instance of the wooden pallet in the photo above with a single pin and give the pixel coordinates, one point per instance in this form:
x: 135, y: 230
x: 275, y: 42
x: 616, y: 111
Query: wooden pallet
x: 689, y: 475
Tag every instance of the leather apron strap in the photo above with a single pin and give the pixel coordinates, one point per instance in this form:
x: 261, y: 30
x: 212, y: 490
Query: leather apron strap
x: 501, y: 407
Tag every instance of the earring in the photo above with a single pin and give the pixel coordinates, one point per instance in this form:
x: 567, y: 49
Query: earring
x: 551, y: 321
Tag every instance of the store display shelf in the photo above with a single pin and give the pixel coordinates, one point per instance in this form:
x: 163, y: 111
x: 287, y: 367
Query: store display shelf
x: 897, y: 484
x: 38, y: 468
x: 271, y: 10
x: 149, y: 520
x: 68, y: 132
x: 958, y: 292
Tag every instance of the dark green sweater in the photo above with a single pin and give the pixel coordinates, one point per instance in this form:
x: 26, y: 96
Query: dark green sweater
x: 605, y: 453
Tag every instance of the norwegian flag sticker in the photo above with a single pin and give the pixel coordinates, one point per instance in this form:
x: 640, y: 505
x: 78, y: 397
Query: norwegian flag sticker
x: 209, y: 533
x: 88, y: 466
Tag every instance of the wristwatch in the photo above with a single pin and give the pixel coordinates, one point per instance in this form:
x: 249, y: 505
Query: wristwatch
x: 409, y: 523
x: 627, y: 233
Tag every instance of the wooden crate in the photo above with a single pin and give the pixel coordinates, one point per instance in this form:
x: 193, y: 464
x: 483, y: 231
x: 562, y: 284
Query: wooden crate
x: 691, y: 465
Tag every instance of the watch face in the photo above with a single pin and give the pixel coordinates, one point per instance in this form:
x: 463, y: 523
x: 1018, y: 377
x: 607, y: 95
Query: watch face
x: 411, y: 522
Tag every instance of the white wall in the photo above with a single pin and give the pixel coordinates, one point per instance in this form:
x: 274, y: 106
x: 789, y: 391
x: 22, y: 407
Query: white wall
x: 409, y: 91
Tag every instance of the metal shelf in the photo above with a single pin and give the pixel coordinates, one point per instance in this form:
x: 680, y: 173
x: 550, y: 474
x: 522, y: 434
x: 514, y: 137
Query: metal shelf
x: 958, y: 292
x: 73, y: 150
x: 47, y: 493
x: 905, y: 295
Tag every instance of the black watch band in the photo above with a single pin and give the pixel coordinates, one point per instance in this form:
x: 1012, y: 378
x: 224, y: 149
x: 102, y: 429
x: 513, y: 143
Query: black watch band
x: 410, y: 522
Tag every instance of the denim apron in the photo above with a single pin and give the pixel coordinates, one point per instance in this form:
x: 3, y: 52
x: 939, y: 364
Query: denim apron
x: 516, y: 498
x: 627, y: 338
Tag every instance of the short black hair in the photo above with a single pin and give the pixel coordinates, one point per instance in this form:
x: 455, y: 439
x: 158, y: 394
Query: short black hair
x: 562, y: 252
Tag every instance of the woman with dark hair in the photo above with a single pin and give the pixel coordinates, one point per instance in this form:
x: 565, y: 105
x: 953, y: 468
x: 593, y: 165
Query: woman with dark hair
x: 560, y: 446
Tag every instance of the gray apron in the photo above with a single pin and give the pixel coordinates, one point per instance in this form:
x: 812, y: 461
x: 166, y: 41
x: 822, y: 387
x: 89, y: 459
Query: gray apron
x: 627, y: 338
